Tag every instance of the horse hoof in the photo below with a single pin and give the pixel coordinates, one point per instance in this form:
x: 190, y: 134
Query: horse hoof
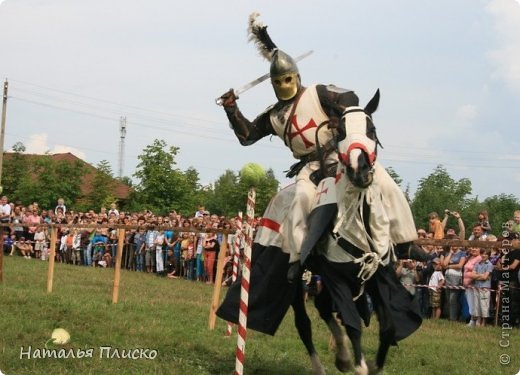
x: 373, y: 369
x: 320, y: 370
x: 343, y: 359
x: 343, y: 365
x: 361, y: 369
x: 317, y: 367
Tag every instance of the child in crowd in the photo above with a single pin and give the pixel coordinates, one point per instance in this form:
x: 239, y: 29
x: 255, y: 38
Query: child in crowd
x: 483, y: 220
x: 159, y: 261
x: 515, y: 223
x: 435, y: 226
x: 9, y: 243
x: 170, y: 265
x: 76, y: 247
x: 40, y: 245
x: 23, y: 247
x: 481, y: 275
x: 435, y: 284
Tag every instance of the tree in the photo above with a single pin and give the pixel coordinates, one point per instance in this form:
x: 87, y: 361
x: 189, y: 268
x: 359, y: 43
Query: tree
x: 438, y: 192
x: 69, y: 180
x: 223, y: 199
x: 266, y: 189
x: 500, y: 208
x: 395, y: 176
x: 162, y: 187
x: 102, y: 186
x: 230, y: 194
x: 15, y: 176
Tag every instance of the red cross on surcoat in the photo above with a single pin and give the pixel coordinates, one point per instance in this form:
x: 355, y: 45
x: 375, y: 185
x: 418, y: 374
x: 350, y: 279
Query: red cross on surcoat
x: 320, y: 193
x: 297, y: 131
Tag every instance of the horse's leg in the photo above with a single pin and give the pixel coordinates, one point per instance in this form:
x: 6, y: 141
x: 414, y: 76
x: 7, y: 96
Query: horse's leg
x: 386, y: 330
x: 360, y: 366
x: 323, y: 303
x: 303, y: 325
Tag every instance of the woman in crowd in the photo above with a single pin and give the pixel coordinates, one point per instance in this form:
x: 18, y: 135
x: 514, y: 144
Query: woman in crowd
x: 472, y: 260
x: 453, y: 261
x: 211, y: 248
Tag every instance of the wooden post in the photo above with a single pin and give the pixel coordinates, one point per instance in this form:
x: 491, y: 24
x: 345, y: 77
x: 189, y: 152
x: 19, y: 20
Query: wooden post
x: 218, y: 283
x: 52, y: 255
x: 2, y: 254
x: 117, y: 272
x: 2, y: 132
x: 497, y: 302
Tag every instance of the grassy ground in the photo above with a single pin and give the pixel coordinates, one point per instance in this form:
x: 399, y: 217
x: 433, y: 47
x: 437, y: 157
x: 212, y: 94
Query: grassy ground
x: 171, y: 317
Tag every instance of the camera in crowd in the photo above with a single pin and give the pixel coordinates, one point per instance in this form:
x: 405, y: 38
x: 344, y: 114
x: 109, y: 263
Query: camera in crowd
x: 448, y: 212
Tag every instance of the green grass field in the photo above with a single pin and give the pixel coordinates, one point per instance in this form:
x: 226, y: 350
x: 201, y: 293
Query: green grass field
x: 171, y: 318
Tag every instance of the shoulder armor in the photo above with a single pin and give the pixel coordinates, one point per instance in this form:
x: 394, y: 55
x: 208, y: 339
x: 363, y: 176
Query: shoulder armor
x: 337, y: 90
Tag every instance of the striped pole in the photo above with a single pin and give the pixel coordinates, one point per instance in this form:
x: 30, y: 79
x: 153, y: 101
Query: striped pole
x: 244, y: 291
x: 236, y: 254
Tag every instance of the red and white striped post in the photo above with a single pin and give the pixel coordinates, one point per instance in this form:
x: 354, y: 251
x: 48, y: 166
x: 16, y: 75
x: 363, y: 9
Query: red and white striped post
x: 236, y: 255
x: 244, y: 291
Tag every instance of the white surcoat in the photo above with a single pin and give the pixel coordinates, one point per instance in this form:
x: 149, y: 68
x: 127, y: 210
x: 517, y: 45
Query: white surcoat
x: 303, y: 125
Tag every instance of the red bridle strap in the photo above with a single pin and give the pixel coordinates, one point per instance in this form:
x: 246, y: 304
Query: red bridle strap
x: 345, y: 157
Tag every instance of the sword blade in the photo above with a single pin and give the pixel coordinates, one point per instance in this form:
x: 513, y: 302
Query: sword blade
x: 260, y: 79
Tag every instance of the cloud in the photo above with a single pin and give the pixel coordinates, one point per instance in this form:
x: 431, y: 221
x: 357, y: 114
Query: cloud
x: 37, y: 144
x: 467, y: 112
x: 507, y: 57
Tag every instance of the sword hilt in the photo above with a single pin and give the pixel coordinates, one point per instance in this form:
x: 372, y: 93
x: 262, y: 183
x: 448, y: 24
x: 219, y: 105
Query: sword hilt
x: 220, y: 100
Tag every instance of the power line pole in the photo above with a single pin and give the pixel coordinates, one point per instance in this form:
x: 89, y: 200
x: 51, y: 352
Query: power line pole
x: 122, y: 130
x: 2, y: 132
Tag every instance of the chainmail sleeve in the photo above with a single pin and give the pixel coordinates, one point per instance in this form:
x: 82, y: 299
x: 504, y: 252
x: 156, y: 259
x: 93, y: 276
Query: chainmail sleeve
x: 246, y: 131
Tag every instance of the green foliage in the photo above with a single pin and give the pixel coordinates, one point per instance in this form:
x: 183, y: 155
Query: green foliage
x: 161, y: 186
x: 42, y: 180
x: 395, y: 176
x: 500, y: 209
x: 251, y: 174
x: 438, y: 192
x: 223, y: 199
x: 15, y: 177
x: 102, y: 185
x: 230, y: 193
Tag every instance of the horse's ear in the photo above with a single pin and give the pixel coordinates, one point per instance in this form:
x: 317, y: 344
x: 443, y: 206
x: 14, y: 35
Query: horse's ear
x: 371, y: 107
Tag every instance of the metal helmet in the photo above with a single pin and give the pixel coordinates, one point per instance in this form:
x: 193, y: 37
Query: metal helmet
x: 285, y: 77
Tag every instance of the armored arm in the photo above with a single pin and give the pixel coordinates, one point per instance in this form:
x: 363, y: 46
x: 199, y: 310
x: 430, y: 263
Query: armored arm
x: 246, y: 131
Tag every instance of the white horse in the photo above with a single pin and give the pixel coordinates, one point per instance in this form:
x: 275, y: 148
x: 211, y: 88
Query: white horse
x: 360, y: 224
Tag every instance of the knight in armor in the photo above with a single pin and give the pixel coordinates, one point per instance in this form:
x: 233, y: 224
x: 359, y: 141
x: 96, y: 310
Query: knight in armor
x: 305, y: 119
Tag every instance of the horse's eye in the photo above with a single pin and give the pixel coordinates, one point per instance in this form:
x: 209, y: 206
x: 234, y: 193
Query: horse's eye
x: 277, y: 82
x: 288, y: 79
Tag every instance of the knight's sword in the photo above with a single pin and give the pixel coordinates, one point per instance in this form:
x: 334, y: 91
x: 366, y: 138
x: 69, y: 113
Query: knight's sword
x: 260, y: 79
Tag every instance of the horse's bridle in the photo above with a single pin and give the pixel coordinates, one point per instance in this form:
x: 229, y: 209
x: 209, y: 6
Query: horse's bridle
x: 344, y: 157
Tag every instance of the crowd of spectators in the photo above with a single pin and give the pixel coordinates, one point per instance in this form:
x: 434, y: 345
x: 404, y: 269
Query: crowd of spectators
x: 456, y: 283
x: 167, y: 245
x: 470, y: 284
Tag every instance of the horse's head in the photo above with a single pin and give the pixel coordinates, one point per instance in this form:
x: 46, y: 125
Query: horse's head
x: 357, y: 143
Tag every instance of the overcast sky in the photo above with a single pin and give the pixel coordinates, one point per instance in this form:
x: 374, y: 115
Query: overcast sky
x: 448, y: 71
